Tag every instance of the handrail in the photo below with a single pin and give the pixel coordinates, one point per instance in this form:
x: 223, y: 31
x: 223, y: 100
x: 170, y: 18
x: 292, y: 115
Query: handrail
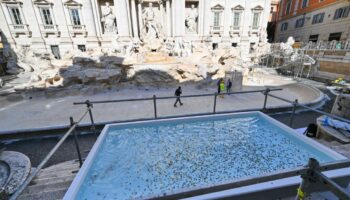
x: 46, y: 159
x: 309, y: 108
x: 173, y: 97
x: 252, y: 180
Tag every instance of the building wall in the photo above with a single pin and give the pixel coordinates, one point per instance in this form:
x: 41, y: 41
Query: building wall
x: 323, y: 30
x: 32, y: 32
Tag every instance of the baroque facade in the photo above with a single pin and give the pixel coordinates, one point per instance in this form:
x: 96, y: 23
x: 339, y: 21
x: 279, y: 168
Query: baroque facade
x: 314, y: 20
x: 62, y: 25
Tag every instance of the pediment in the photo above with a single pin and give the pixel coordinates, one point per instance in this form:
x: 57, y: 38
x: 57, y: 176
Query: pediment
x: 258, y: 8
x: 43, y: 2
x: 73, y: 3
x: 218, y: 7
x: 239, y: 7
x: 11, y: 1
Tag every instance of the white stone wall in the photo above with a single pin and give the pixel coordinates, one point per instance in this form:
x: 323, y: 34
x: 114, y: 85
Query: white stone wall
x: 91, y: 33
x: 322, y: 29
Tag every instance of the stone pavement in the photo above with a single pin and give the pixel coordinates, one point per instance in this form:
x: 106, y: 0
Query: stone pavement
x: 40, y: 112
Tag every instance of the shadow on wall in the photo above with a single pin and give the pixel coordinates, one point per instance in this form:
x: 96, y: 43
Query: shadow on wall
x: 107, y: 70
x: 8, y: 59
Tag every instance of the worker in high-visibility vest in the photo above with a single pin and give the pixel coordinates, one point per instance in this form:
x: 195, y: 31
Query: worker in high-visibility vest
x: 222, y: 88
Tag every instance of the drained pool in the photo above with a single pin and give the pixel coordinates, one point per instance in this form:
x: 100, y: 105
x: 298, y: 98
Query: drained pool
x: 132, y: 161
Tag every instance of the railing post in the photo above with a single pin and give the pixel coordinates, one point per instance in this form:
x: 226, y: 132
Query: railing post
x: 266, y: 93
x: 90, y: 106
x: 155, y: 106
x: 215, y: 97
x: 308, y: 178
x: 295, y: 104
x: 76, y: 141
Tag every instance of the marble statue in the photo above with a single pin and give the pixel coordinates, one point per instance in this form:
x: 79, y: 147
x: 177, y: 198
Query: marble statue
x: 108, y: 19
x: 191, y: 20
x: 151, y: 30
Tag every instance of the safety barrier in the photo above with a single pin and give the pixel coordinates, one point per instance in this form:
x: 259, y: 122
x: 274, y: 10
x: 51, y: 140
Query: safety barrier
x: 304, y: 172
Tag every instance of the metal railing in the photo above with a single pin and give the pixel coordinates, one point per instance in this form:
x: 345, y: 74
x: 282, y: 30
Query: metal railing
x: 266, y: 92
x: 309, y: 173
x: 89, y: 104
x: 51, y: 153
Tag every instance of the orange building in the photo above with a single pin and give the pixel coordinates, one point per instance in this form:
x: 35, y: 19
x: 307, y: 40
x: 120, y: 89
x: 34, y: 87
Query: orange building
x: 313, y: 20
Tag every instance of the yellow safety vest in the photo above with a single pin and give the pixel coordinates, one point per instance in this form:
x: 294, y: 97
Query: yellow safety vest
x: 222, y: 86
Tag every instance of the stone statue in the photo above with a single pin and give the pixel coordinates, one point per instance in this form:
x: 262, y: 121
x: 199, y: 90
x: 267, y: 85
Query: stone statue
x: 151, y: 30
x: 108, y: 19
x: 191, y: 20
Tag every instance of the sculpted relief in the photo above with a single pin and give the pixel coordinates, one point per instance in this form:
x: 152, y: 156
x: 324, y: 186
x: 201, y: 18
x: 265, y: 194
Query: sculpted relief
x: 191, y: 21
x: 108, y: 19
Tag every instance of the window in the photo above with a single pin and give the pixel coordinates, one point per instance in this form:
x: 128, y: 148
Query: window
x: 215, y: 46
x: 234, y: 44
x: 74, y: 14
x: 217, y: 12
x: 217, y: 19
x: 16, y: 16
x: 256, y: 19
x: 304, y: 4
x: 46, y: 15
x: 318, y: 18
x: 341, y: 13
x: 236, y: 19
x: 55, y: 51
x: 288, y: 6
x: 251, y: 49
x: 284, y: 26
x: 334, y: 36
x: 299, y: 23
x: 82, y: 48
x: 313, y: 38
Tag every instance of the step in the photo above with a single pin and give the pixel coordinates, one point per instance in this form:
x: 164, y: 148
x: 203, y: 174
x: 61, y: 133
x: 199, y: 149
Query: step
x: 51, y: 180
x: 45, y: 195
x: 69, y: 169
x: 62, y: 165
x: 34, y: 189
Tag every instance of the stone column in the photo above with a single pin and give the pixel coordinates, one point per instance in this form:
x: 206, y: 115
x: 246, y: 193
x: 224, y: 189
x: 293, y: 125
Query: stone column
x: 168, y: 18
x: 97, y: 18
x: 227, y: 20
x: 180, y: 18
x: 207, y: 17
x: 139, y: 10
x: 134, y: 19
x: 161, y: 7
x: 122, y: 19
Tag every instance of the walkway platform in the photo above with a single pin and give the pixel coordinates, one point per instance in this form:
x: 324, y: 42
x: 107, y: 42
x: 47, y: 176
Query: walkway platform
x: 40, y: 113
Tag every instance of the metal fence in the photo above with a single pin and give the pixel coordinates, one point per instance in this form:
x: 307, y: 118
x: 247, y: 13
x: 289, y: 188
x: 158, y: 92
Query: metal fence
x: 89, y: 111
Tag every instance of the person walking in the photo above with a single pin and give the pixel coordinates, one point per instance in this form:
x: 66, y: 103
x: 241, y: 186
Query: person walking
x: 218, y: 84
x: 178, y: 93
x: 228, y: 86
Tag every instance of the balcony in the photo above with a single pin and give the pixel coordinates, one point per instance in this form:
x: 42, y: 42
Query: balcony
x: 216, y: 30
x: 254, y: 30
x: 20, y: 29
x: 235, y: 30
x: 50, y: 30
x: 77, y: 30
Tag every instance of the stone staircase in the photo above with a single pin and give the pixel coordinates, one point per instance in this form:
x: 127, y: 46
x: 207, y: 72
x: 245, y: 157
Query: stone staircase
x: 52, y: 182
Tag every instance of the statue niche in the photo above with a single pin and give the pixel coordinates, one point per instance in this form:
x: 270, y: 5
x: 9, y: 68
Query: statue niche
x: 191, y: 20
x: 108, y: 19
x: 152, y: 32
